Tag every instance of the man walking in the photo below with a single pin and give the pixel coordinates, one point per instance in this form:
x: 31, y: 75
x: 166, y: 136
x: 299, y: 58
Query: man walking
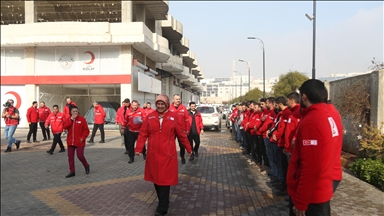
x: 33, y: 118
x: 197, y: 128
x: 11, y: 118
x: 182, y: 117
x: 119, y: 120
x: 56, y: 120
x: 44, y: 112
x: 98, y: 122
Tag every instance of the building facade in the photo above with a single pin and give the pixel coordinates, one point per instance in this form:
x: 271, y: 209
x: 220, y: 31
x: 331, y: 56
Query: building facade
x: 94, y: 50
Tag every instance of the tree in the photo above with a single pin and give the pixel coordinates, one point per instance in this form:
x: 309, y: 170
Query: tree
x: 254, y: 94
x: 289, y: 83
x: 376, y: 65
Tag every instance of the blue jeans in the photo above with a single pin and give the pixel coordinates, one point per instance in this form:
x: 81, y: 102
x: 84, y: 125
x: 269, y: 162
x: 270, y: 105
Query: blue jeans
x: 271, y: 156
x: 9, y: 131
x: 238, y: 133
x: 279, y: 163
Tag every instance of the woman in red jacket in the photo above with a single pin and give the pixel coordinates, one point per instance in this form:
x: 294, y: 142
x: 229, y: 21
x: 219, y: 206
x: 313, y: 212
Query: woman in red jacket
x: 77, y: 134
x: 56, y: 120
x: 161, y: 167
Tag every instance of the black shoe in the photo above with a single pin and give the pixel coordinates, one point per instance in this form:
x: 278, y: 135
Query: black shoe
x: 90, y: 141
x: 49, y: 138
x: 126, y: 152
x: 62, y: 150
x: 102, y: 141
x: 44, y: 139
x: 183, y: 160
x: 17, y: 143
x: 196, y: 154
x: 9, y: 149
x: 50, y: 152
x: 71, y: 174
x: 28, y: 141
x: 36, y: 141
x: 87, y: 170
x: 158, y: 214
x: 130, y: 160
x: 192, y: 157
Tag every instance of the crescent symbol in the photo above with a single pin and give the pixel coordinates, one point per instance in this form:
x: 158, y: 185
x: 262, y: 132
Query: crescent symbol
x: 18, y: 98
x: 92, y: 57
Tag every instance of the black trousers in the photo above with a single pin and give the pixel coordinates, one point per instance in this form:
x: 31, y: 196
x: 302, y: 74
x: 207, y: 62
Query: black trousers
x: 57, y: 140
x: 182, y: 148
x: 129, y: 141
x: 45, y: 131
x: 318, y: 209
x: 194, y: 136
x: 98, y: 126
x: 248, y: 137
x: 254, y: 147
x: 284, y: 166
x: 163, y: 196
x: 261, y: 151
x: 32, y: 131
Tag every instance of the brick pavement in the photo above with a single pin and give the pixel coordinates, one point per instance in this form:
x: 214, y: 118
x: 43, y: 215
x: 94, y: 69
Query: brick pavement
x: 219, y: 182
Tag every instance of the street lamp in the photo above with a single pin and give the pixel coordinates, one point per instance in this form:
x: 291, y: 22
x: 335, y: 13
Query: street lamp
x: 241, y: 80
x: 255, y: 38
x: 249, y: 73
x: 313, y: 18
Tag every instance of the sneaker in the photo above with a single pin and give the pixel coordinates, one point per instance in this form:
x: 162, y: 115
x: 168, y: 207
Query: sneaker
x: 102, y: 141
x: 17, y: 143
x: 90, y: 141
x: 36, y: 141
x: 62, y: 150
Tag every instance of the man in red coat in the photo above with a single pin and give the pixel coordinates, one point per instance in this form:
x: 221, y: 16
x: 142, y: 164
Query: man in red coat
x: 133, y: 120
x: 311, y: 167
x: 44, y: 112
x: 161, y: 167
x: 56, y: 120
x: 32, y: 118
x: 182, y: 117
x: 148, y: 109
x: 67, y: 108
x: 293, y: 103
x: 78, y: 131
x: 119, y: 120
x: 197, y: 128
x: 98, y: 122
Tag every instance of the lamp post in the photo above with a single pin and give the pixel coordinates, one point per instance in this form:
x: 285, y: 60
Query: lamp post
x: 255, y: 38
x: 249, y: 73
x: 313, y: 18
x: 241, y: 80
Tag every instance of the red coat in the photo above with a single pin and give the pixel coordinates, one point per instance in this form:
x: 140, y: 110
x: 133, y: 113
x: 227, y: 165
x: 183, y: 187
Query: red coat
x: 246, y: 120
x: 120, y: 115
x: 12, y: 121
x: 99, y: 114
x: 129, y: 119
x: 148, y: 110
x: 66, y: 111
x: 44, y: 113
x: 198, y: 121
x: 291, y: 126
x: 161, y: 164
x: 56, y: 121
x: 254, y: 120
x: 311, y: 167
x: 233, y: 117
x: 337, y: 174
x: 77, y: 131
x: 279, y: 132
x: 182, y: 116
x: 32, y: 115
x: 267, y: 123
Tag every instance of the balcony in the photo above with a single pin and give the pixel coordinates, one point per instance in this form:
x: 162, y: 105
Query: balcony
x: 182, y: 75
x: 174, y: 64
x: 196, y: 70
x: 189, y: 59
x: 157, y: 9
x: 200, y: 75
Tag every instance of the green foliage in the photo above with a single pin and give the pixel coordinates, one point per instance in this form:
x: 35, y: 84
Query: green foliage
x: 289, y: 83
x: 372, y: 142
x: 254, y: 94
x: 371, y: 171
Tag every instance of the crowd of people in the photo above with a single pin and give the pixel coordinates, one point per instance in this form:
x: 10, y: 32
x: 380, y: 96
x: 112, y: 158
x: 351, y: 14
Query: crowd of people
x: 296, y: 141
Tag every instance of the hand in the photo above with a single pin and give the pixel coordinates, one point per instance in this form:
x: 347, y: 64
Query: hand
x: 29, y: 122
x: 202, y: 132
x: 274, y: 137
x: 297, y: 212
x: 81, y: 140
x: 189, y: 154
x: 138, y: 153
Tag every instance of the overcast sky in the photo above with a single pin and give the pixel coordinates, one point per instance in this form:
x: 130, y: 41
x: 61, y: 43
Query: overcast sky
x: 348, y: 35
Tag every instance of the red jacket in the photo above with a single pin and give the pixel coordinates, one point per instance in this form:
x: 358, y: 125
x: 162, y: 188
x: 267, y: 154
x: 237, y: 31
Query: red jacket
x: 291, y: 126
x: 234, y: 115
x: 337, y: 132
x: 56, y: 121
x: 182, y: 116
x: 119, y: 119
x: 279, y: 132
x: 99, y: 114
x: 198, y: 121
x: 134, y: 119
x: 77, y: 131
x: 267, y: 123
x: 44, y: 113
x: 66, y: 111
x: 246, y: 119
x: 148, y: 110
x: 12, y: 121
x: 161, y: 164
x: 32, y: 115
x: 311, y: 167
x: 254, y: 120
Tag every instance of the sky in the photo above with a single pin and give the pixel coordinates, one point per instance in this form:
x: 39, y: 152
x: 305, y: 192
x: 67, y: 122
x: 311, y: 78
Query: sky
x: 348, y: 35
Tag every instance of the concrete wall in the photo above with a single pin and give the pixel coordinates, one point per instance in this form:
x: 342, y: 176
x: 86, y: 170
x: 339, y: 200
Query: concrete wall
x: 374, y: 84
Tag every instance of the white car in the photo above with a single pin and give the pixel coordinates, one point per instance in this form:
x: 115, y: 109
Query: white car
x: 211, y: 116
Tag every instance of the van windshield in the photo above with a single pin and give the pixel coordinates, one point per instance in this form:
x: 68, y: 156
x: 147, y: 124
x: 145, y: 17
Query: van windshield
x: 206, y: 109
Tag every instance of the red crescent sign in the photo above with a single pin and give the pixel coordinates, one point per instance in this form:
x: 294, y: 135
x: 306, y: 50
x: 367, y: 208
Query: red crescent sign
x: 18, y: 98
x: 92, y: 57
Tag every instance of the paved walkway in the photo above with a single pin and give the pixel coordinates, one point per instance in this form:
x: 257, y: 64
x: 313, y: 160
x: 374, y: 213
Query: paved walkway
x: 219, y: 182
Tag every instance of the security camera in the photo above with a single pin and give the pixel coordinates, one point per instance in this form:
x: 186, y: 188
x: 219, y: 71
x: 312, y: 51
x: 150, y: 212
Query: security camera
x: 309, y: 17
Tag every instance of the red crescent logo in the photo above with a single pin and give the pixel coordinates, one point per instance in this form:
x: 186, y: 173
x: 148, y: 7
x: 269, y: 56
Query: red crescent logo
x: 18, y: 98
x: 92, y: 57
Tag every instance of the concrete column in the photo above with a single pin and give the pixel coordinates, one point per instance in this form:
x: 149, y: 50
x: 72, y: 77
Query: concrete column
x: 126, y: 68
x: 151, y: 24
x: 29, y: 55
x: 30, y: 11
x: 377, y: 98
x: 126, y: 11
x: 31, y: 95
x: 140, y: 13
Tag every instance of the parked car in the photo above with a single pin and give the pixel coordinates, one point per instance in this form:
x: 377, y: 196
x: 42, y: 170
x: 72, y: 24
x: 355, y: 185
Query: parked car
x: 211, y: 115
x: 228, y: 122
